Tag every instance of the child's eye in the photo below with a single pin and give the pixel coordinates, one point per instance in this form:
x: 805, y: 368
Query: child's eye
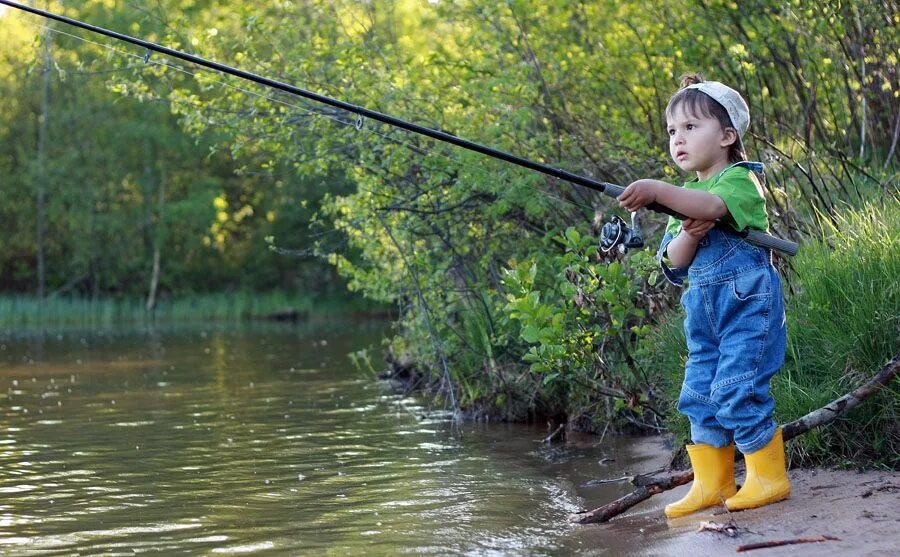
x: 671, y: 131
x: 690, y: 126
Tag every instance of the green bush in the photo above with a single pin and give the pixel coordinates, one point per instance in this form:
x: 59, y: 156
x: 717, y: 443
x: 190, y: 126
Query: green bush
x: 583, y: 319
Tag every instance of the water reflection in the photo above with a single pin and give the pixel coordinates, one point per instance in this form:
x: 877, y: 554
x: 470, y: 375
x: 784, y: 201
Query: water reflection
x: 258, y: 440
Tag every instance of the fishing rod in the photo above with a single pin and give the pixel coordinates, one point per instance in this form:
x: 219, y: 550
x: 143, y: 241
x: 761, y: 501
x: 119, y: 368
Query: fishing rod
x: 615, y: 234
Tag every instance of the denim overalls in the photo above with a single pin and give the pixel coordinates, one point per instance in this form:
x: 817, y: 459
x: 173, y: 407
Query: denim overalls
x: 736, y: 337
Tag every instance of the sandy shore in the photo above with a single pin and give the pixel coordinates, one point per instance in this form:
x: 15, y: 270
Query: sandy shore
x: 862, y: 509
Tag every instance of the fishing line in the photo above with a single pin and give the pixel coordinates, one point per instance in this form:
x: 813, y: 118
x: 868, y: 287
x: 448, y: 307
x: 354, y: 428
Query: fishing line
x: 751, y: 236
x: 301, y: 109
x: 396, y: 122
x: 168, y: 100
x: 145, y: 61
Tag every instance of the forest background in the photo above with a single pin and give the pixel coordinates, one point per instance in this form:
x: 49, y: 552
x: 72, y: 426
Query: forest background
x: 137, y: 187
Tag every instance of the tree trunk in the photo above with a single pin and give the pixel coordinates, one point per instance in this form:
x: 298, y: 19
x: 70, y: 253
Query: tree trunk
x: 157, y: 242
x: 93, y: 242
x: 649, y: 486
x: 147, y: 226
x: 41, y: 186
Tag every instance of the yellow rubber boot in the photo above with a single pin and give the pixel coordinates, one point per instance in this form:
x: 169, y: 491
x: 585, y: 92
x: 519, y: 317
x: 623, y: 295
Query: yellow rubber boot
x: 767, y: 480
x: 713, y: 479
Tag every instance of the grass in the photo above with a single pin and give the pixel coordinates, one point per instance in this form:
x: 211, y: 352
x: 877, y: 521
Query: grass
x: 20, y: 311
x: 843, y: 326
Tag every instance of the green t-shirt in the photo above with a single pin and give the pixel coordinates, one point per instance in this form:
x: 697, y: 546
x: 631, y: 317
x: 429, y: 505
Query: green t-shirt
x: 742, y: 193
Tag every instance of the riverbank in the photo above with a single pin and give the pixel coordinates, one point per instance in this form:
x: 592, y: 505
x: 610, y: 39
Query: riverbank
x: 857, y: 507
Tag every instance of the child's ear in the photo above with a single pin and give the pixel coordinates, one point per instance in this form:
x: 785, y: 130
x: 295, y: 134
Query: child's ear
x: 729, y: 136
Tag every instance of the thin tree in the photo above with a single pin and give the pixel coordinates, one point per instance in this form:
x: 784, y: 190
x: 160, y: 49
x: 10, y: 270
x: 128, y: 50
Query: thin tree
x: 41, y: 185
x: 157, y: 241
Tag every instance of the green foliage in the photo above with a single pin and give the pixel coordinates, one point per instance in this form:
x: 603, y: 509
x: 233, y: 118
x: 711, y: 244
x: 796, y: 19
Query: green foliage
x: 581, y: 319
x: 124, y: 177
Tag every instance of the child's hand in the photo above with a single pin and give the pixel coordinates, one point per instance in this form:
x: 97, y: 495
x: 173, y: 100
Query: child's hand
x: 696, y: 228
x: 638, y: 194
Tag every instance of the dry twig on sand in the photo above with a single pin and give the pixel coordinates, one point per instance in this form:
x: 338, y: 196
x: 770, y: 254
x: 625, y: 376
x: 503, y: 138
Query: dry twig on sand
x: 764, y: 545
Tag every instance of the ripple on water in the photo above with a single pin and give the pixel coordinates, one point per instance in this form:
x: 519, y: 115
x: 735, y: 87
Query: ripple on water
x: 249, y: 548
x: 255, y: 446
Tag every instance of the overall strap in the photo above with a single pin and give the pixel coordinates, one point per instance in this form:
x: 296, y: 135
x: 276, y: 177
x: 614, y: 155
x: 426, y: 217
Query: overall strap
x: 753, y: 166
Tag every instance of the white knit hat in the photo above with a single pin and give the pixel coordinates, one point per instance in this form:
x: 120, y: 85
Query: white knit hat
x: 734, y: 104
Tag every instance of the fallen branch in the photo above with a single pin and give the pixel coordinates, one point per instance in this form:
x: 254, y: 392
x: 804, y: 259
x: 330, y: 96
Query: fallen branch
x: 558, y: 433
x: 844, y: 404
x: 763, y: 545
x: 592, y: 483
x: 816, y: 418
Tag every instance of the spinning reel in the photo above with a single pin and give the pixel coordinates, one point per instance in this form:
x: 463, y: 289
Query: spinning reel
x: 616, y: 234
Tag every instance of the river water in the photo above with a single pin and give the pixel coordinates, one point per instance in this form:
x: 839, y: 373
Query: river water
x: 265, y: 439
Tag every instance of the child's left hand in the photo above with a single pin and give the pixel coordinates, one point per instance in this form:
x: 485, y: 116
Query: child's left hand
x: 638, y: 194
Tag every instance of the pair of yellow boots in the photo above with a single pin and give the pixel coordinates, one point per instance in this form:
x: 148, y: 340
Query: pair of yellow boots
x: 766, y: 482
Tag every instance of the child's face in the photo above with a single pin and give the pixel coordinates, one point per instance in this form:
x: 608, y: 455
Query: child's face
x: 696, y: 142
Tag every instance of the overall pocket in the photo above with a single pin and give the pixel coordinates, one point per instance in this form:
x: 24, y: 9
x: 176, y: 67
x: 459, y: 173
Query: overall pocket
x: 754, y: 284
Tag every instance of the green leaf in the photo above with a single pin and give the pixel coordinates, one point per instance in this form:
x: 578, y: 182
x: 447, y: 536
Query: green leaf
x: 530, y: 334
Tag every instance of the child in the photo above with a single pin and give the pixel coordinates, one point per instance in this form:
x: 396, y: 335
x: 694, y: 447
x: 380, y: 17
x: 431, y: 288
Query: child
x: 735, y: 322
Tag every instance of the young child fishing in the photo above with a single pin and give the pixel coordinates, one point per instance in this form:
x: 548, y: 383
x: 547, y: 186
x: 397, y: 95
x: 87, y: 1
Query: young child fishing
x: 735, y: 321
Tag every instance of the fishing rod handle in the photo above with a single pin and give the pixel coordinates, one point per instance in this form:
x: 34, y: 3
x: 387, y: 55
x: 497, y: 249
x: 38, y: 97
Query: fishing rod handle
x: 768, y: 241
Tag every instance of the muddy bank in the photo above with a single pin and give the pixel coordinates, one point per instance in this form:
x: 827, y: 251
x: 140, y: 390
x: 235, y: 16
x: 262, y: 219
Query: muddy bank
x: 860, y: 508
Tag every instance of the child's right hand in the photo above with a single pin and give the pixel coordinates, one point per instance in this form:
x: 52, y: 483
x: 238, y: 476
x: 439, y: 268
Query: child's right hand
x: 696, y: 228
